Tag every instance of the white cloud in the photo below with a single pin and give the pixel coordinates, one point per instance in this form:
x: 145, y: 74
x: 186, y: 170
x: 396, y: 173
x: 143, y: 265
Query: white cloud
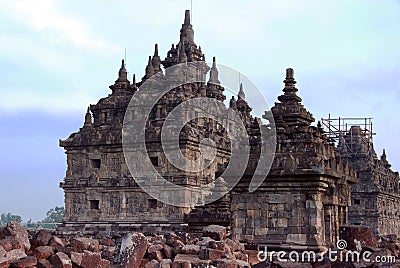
x: 260, y: 38
x: 44, y: 16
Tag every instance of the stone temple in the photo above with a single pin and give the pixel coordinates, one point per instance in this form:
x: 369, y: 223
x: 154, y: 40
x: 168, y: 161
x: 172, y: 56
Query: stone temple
x: 376, y: 197
x: 313, y: 187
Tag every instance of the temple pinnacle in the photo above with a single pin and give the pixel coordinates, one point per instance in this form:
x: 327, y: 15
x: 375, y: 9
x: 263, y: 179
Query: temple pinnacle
x: 214, y: 73
x: 149, y: 68
x: 156, y: 50
x: 187, y: 17
x: 241, y: 92
x: 133, y: 85
x: 122, y: 74
x: 289, y: 73
x: 156, y: 61
x: 290, y: 88
x: 88, y: 118
x: 187, y: 33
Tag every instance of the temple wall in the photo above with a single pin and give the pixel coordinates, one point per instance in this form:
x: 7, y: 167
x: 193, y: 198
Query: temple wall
x: 289, y: 211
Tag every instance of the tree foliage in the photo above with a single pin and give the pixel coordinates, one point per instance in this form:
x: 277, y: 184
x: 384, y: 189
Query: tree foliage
x: 54, y: 215
x: 6, y: 218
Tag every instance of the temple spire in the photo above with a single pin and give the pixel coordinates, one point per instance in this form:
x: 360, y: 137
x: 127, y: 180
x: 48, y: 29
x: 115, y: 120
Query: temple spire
x: 186, y: 42
x: 187, y: 33
x: 383, y: 156
x: 133, y: 85
x: 243, y: 107
x: 241, y: 92
x: 187, y: 17
x: 289, y: 81
x: 88, y: 118
x: 214, y: 73
x: 121, y: 85
x: 122, y: 73
x: 290, y: 112
x: 149, y: 68
x: 156, y: 61
x: 156, y: 50
x: 290, y: 88
x: 384, y: 159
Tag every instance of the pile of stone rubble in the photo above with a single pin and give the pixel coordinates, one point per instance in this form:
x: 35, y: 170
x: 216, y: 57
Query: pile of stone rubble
x: 211, y: 248
x: 43, y: 249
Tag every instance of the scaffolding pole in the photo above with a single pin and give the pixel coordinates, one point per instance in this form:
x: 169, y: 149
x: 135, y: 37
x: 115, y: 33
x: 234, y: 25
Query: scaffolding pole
x: 336, y: 128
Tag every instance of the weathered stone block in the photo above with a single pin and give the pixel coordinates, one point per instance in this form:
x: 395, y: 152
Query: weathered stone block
x: 10, y: 243
x: 152, y: 264
x: 56, y: 241
x: 15, y: 254
x: 6, y: 243
x: 156, y: 255
x: 144, y: 262
x: 60, y: 260
x: 43, y: 252
x: 252, y: 256
x: 79, y: 244
x: 214, y: 254
x: 165, y: 263
x: 204, y: 241
x: 241, y: 256
x: 155, y: 247
x: 173, y: 240
x: 215, y: 232
x: 108, y: 253
x: 4, y: 262
x: 76, y: 258
x: 243, y: 264
x: 235, y: 246
x: 104, y: 264
x: 167, y: 251
x: 66, y: 250
x: 225, y: 263
x: 190, y: 249
x: 44, y: 264
x: 179, y: 245
x: 90, y: 259
x: 107, y: 242
x: 182, y: 260
x: 42, y: 238
x: 133, y: 249
x: 20, y: 233
x: 29, y: 261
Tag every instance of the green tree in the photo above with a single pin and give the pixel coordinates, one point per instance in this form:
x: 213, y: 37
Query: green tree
x: 54, y: 215
x: 6, y: 218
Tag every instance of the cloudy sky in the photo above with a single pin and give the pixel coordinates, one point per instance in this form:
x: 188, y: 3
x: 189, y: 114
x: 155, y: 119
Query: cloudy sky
x: 58, y: 56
